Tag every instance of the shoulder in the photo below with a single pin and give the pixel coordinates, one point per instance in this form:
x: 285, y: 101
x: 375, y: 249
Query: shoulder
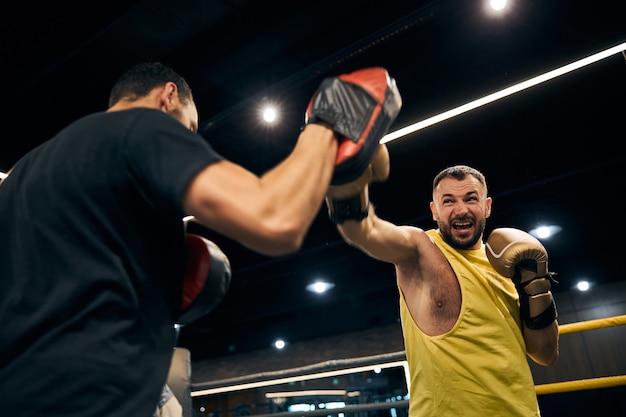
x: 125, y: 122
x: 417, y: 234
x: 144, y: 127
x: 424, y: 242
x: 414, y: 243
x: 144, y: 115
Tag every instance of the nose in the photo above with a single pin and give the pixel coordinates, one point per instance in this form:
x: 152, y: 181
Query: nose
x: 460, y: 208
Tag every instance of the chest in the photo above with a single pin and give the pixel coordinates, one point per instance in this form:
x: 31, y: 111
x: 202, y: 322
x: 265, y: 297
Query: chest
x: 432, y: 294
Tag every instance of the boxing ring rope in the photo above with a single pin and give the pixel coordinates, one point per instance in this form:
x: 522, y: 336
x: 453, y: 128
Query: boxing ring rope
x: 592, y: 324
x: 590, y: 383
x: 580, y: 385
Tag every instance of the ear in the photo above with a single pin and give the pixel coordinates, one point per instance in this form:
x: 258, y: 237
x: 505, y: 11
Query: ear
x: 433, y: 210
x: 488, y: 202
x: 167, y: 96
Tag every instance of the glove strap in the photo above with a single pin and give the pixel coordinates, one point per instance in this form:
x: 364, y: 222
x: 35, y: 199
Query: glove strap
x: 540, y: 299
x: 351, y: 208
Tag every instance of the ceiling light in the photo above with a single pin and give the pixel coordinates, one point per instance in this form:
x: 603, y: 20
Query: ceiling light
x: 545, y: 231
x: 503, y: 93
x: 307, y: 393
x: 320, y: 287
x: 497, y: 4
x: 269, y: 114
x: 583, y: 285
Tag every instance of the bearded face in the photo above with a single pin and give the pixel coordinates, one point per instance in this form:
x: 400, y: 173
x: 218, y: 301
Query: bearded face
x: 460, y: 208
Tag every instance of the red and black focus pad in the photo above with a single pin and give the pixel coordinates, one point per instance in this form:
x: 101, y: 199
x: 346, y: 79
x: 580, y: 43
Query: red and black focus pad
x: 360, y: 107
x: 207, y: 278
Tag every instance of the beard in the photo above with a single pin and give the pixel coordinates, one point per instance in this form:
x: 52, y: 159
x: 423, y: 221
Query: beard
x: 466, y: 242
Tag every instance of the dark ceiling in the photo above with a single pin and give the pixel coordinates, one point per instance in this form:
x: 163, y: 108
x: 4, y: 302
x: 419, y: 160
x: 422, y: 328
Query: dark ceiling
x: 551, y: 153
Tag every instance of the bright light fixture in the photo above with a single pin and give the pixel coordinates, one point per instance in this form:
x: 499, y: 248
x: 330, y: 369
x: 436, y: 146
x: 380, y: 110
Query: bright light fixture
x: 497, y: 4
x: 503, y: 93
x: 320, y: 287
x: 583, y: 286
x: 307, y: 393
x: 269, y: 114
x: 545, y: 231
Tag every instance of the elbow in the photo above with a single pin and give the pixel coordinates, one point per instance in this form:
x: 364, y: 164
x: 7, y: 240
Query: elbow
x: 281, y: 239
x: 351, y: 232
x: 543, y: 345
x: 553, y: 358
x: 549, y: 358
x: 545, y: 358
x: 285, y: 246
x: 553, y: 355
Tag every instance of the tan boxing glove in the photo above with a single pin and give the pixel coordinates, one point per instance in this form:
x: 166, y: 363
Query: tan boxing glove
x: 350, y: 201
x: 519, y: 256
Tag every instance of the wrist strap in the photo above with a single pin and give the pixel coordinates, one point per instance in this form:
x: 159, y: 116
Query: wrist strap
x: 543, y: 319
x: 535, y: 290
x: 352, y: 208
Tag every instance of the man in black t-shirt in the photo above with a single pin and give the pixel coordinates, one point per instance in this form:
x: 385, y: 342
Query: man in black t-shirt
x: 93, y: 242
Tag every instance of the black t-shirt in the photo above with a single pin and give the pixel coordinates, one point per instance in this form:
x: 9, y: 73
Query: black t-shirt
x: 91, y: 263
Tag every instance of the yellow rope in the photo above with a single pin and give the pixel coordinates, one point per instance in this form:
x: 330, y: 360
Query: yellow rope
x: 581, y: 384
x: 592, y: 383
x: 592, y: 324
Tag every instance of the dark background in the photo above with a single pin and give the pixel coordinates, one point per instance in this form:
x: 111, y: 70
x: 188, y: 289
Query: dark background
x: 552, y: 153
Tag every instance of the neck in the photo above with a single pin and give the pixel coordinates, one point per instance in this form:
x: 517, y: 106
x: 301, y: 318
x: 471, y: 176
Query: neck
x: 150, y: 101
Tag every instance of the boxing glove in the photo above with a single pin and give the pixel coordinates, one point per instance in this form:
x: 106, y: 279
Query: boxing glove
x: 206, y: 280
x: 350, y: 201
x: 519, y: 256
x: 360, y: 107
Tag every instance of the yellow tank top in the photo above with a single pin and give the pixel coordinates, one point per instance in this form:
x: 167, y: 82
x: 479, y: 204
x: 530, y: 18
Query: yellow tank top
x: 480, y: 367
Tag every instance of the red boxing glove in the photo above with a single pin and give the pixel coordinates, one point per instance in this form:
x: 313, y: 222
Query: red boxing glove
x: 207, y: 278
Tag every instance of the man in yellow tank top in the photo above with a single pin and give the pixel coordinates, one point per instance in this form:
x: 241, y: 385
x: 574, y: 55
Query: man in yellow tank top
x: 471, y: 312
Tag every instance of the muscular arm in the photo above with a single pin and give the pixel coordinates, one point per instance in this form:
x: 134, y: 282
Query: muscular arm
x: 270, y: 214
x: 380, y: 239
x: 542, y: 345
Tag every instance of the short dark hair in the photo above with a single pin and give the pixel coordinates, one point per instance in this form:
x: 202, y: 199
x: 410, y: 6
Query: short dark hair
x: 459, y: 172
x: 142, y: 78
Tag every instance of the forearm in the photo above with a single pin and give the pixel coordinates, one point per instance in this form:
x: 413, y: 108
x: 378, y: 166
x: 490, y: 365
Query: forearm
x: 543, y: 345
x: 539, y: 317
x: 379, y: 238
x: 294, y: 190
x: 356, y: 233
x: 272, y: 213
x: 289, y: 196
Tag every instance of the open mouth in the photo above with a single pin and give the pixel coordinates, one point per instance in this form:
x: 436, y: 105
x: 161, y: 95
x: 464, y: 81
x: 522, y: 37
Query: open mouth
x: 462, y: 225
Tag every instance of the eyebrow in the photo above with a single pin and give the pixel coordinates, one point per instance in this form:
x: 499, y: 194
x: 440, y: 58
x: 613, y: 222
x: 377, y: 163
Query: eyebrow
x: 469, y: 193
